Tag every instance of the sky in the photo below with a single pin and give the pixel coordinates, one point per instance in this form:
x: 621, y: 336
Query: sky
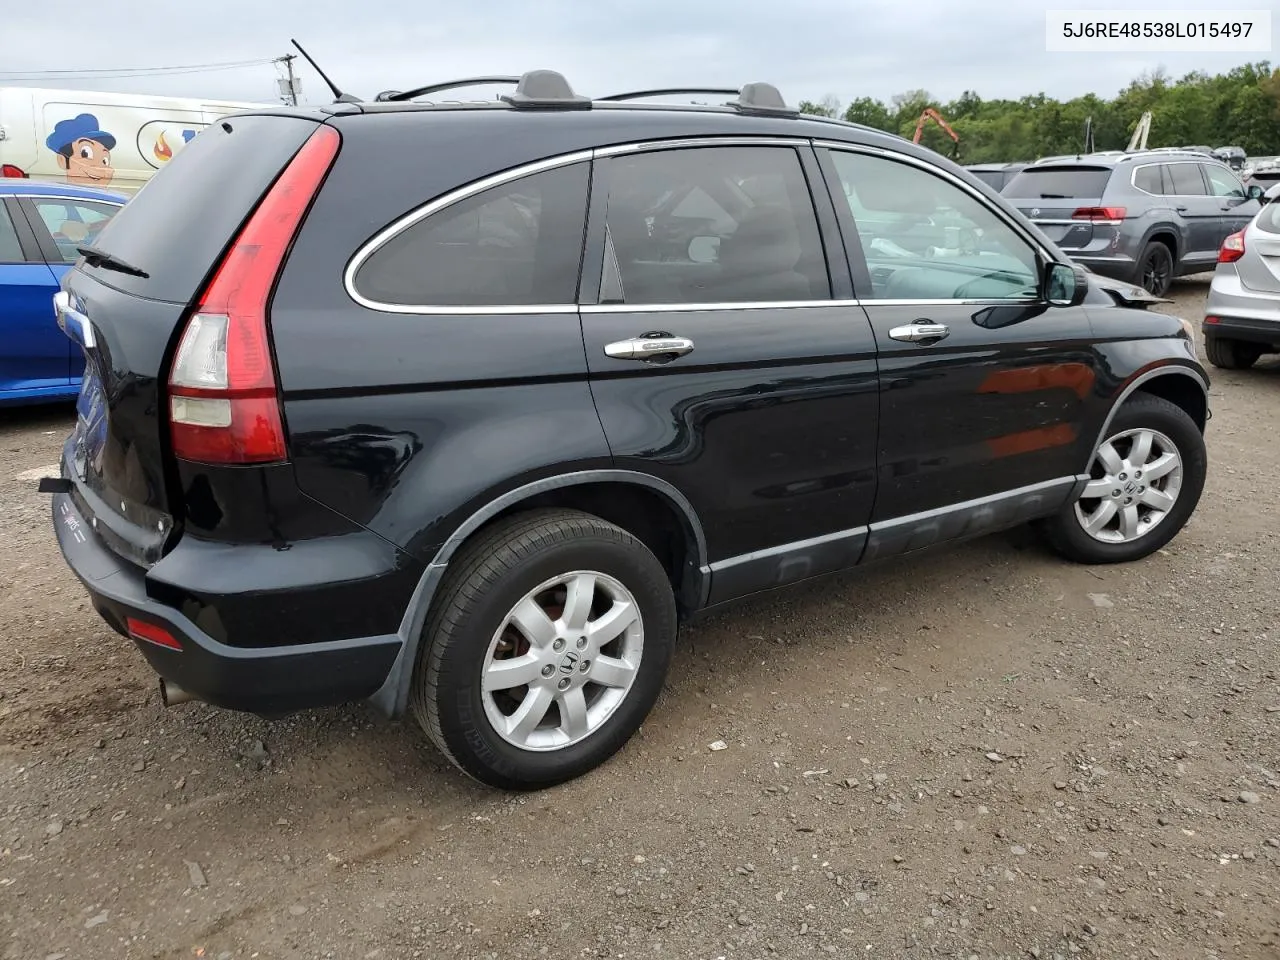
x: 807, y: 48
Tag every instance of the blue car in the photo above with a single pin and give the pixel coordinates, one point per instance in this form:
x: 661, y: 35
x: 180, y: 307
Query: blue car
x: 41, y: 225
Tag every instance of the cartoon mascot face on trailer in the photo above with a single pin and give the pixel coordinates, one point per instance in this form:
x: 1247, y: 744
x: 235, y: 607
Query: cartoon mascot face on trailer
x: 84, y: 150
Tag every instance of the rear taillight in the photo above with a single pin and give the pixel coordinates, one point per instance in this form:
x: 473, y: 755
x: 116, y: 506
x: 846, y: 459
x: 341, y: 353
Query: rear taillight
x: 1232, y: 248
x: 1099, y: 214
x: 224, y: 404
x: 9, y: 170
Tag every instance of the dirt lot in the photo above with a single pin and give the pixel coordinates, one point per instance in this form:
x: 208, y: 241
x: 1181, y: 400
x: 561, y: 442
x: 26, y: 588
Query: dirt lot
x: 983, y: 752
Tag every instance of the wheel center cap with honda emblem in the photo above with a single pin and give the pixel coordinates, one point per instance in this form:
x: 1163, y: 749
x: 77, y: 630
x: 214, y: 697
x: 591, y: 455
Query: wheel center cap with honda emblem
x: 568, y: 663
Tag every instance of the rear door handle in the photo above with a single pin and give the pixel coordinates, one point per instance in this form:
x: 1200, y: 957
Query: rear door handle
x: 921, y: 332
x: 650, y: 346
x: 1181, y: 209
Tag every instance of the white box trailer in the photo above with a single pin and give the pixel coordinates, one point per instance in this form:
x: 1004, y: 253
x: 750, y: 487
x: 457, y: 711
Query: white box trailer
x: 111, y: 140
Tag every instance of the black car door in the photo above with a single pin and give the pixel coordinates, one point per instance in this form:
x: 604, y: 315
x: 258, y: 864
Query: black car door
x: 726, y: 354
x: 984, y: 386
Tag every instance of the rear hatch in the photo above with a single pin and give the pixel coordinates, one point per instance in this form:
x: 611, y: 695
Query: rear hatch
x: 1064, y: 201
x: 1259, y: 268
x: 126, y: 306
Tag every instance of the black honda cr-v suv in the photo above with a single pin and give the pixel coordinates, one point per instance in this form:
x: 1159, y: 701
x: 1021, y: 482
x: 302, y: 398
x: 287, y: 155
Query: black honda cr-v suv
x: 461, y: 408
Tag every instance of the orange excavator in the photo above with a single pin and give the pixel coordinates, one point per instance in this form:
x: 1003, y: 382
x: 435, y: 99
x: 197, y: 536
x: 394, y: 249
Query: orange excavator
x: 936, y: 117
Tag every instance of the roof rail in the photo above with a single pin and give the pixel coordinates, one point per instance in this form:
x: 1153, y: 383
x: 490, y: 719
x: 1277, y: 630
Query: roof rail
x: 388, y: 95
x: 545, y: 89
x: 669, y: 92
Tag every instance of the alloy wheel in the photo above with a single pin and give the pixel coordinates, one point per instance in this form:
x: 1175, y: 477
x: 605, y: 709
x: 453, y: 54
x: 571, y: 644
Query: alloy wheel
x: 1135, y: 478
x: 562, y: 661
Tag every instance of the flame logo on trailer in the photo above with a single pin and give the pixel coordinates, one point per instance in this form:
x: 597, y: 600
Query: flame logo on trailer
x: 159, y: 142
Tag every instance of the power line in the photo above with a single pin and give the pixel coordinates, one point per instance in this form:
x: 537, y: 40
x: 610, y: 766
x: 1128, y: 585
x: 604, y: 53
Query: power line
x: 117, y: 73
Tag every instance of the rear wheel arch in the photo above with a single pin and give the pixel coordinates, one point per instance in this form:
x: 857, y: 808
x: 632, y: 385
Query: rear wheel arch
x: 650, y: 509
x: 1168, y: 235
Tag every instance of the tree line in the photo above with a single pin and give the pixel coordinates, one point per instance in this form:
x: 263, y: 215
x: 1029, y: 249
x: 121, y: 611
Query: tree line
x: 1240, y: 108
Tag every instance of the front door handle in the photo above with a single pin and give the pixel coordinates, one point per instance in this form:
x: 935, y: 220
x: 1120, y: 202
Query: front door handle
x: 650, y: 346
x: 921, y: 332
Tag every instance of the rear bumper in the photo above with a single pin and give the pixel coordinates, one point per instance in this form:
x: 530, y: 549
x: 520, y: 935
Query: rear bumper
x: 1242, y: 314
x: 257, y: 679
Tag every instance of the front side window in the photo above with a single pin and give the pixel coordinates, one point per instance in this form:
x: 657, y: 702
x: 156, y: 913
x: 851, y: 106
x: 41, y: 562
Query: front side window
x: 925, y: 238
x: 515, y: 244
x: 1185, y: 180
x: 713, y: 225
x: 1223, y: 183
x: 74, y: 223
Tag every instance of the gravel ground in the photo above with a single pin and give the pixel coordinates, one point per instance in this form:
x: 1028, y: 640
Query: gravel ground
x: 982, y: 752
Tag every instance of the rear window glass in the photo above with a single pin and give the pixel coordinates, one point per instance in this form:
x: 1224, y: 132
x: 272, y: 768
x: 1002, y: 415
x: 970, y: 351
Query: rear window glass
x: 1060, y: 183
x: 1269, y: 219
x: 176, y: 227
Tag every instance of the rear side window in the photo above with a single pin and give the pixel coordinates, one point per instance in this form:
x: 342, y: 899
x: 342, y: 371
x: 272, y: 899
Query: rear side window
x: 176, y: 227
x: 1059, y: 183
x: 10, y: 249
x: 713, y: 225
x: 516, y: 244
x: 1185, y: 180
x: 1149, y: 179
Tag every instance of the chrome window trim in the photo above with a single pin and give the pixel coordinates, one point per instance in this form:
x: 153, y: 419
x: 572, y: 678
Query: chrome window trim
x: 686, y: 143
x: 64, y: 199
x: 398, y: 226
x: 1166, y: 163
x: 1030, y: 239
x: 714, y: 307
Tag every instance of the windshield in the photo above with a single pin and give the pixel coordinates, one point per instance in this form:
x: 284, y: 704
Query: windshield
x: 1059, y: 183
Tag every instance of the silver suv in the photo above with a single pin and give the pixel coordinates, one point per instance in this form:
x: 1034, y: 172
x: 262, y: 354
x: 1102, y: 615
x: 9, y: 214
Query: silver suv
x: 1145, y: 217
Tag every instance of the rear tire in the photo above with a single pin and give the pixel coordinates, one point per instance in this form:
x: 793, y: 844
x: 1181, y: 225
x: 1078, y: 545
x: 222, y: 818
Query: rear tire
x: 575, y: 610
x: 1228, y: 354
x: 1155, y: 269
x: 1146, y: 480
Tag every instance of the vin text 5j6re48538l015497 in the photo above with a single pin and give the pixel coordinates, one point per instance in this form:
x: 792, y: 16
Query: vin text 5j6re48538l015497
x: 470, y: 438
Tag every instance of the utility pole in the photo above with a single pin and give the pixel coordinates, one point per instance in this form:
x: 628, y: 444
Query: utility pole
x: 288, y: 85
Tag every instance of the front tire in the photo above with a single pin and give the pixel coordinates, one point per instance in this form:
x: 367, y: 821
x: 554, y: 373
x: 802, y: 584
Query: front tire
x: 547, y: 649
x: 1228, y: 354
x: 1146, y: 479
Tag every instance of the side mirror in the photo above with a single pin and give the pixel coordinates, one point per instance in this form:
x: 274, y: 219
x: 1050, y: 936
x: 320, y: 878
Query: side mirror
x: 1065, y: 285
x: 1255, y: 192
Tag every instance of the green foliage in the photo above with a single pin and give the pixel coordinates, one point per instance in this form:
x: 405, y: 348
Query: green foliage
x: 1240, y: 108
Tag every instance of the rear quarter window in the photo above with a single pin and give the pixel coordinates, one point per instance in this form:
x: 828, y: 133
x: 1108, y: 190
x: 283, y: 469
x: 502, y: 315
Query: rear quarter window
x: 516, y: 244
x: 176, y: 227
x: 1269, y: 219
x: 1060, y: 183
